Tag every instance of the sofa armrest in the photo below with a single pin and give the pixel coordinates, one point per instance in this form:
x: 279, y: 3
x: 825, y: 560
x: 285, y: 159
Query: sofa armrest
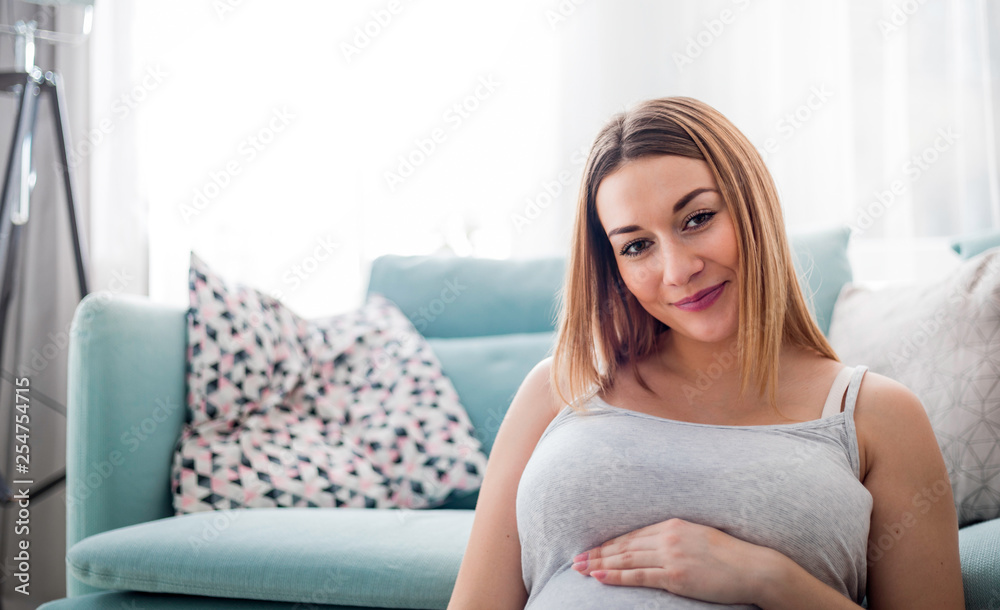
x: 125, y: 411
x: 979, y: 546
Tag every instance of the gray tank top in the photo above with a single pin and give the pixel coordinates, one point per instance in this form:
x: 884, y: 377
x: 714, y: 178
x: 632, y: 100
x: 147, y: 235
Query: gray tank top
x: 793, y: 487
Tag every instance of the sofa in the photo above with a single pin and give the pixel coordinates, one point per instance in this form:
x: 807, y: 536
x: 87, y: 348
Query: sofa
x: 126, y: 409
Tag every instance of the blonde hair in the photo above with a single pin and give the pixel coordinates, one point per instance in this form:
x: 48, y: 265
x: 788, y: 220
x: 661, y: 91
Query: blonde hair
x: 601, y: 326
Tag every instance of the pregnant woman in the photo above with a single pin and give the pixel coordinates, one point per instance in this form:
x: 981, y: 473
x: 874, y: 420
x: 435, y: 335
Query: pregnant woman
x: 694, y: 440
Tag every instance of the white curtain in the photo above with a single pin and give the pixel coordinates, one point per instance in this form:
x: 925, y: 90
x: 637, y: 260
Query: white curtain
x: 291, y: 143
x: 880, y: 115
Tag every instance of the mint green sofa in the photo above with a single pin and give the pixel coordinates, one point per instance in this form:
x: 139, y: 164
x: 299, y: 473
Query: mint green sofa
x: 489, y: 322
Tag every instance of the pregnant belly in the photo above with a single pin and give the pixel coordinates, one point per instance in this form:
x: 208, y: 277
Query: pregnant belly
x: 569, y: 589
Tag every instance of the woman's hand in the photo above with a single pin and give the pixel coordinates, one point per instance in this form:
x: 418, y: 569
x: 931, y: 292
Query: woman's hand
x: 685, y: 558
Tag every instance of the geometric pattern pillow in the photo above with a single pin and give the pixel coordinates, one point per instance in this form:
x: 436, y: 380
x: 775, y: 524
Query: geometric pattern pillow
x: 351, y: 410
x: 941, y: 339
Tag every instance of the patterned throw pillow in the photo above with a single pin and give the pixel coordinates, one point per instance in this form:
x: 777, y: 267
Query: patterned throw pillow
x: 352, y: 410
x: 942, y: 340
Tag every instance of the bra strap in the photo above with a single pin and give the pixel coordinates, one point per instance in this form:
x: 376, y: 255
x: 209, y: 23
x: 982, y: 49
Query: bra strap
x: 853, y: 389
x: 854, y: 450
x: 840, y: 383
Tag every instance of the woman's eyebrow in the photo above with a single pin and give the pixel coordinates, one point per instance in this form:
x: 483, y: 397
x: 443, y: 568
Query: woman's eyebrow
x: 683, y: 201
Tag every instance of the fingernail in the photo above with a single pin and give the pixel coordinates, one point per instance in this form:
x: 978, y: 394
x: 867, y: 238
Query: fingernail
x: 581, y: 556
x: 580, y: 565
x: 599, y: 574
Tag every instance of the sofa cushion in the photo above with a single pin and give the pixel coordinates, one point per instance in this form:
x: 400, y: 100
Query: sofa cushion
x: 940, y: 339
x: 451, y: 296
x: 821, y: 263
x: 394, y: 558
x: 351, y: 410
x: 979, y: 548
x: 971, y: 245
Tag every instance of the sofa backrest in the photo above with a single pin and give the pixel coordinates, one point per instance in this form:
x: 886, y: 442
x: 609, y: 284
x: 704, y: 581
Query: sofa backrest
x: 447, y: 296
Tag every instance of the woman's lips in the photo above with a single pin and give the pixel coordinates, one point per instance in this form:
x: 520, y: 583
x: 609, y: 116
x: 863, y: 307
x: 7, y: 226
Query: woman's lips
x: 705, y: 301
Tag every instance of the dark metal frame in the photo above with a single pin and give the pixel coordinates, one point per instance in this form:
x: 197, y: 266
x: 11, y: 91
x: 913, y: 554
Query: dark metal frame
x: 29, y: 87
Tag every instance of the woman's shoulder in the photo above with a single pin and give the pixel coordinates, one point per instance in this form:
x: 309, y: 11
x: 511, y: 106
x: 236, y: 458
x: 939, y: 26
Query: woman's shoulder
x: 537, y: 392
x: 886, y: 410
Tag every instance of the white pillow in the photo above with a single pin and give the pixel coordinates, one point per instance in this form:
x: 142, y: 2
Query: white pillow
x: 941, y: 339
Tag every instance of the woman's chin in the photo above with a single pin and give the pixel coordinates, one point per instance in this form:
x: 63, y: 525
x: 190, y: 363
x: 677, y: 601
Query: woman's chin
x: 705, y: 333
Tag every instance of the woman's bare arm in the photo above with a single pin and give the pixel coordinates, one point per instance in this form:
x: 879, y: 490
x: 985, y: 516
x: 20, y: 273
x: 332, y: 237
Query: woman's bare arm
x: 913, y: 559
x: 490, y: 575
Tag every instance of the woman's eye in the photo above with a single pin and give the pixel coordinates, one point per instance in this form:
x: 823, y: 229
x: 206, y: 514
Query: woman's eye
x: 708, y: 216
x: 628, y: 249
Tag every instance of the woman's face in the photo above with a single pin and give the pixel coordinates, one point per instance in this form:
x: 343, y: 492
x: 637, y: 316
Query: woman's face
x: 673, y: 238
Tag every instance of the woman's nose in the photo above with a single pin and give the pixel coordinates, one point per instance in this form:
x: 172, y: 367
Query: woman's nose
x: 679, y: 263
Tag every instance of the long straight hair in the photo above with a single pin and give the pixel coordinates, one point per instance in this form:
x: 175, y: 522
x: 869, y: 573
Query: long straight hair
x: 601, y: 326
